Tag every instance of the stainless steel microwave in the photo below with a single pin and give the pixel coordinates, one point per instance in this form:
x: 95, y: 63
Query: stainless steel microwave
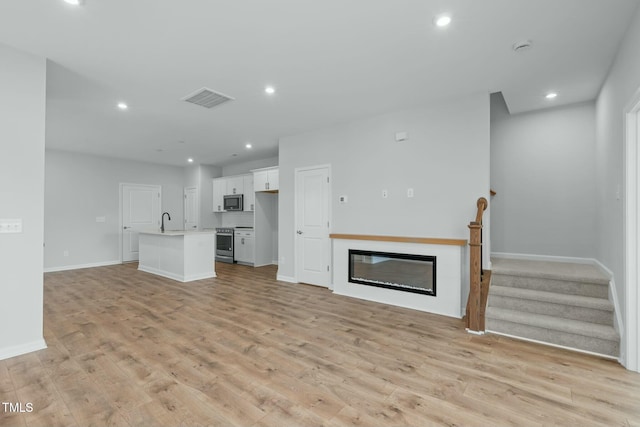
x: 233, y: 202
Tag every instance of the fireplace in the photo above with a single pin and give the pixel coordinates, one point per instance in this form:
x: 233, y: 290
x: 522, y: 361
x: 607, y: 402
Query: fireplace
x: 404, y: 272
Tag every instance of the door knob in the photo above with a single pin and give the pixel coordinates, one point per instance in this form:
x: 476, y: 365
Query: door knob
x: 126, y: 228
x: 299, y: 231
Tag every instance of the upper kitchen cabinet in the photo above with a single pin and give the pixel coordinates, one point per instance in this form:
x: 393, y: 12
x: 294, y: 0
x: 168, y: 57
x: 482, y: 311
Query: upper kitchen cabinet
x: 219, y: 191
x: 266, y: 179
x: 249, y: 195
x: 235, y: 185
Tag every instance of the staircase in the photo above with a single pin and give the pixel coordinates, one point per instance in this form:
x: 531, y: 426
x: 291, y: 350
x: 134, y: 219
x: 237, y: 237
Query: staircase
x: 558, y: 303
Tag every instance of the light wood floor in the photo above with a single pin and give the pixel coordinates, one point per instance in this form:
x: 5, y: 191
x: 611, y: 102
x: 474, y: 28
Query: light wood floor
x: 129, y: 348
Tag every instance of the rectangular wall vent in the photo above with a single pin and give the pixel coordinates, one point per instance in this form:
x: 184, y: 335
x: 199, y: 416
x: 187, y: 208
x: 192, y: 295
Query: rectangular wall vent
x: 207, y: 98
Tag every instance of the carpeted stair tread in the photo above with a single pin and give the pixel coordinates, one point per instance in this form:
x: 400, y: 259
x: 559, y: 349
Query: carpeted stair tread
x: 576, y: 272
x: 552, y: 297
x: 575, y: 327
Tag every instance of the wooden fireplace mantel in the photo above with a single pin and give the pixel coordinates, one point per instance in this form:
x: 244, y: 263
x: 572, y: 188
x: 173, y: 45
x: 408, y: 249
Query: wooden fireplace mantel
x: 401, y: 239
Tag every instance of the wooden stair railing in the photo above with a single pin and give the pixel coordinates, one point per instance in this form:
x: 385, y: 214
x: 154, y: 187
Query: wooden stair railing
x: 477, y: 301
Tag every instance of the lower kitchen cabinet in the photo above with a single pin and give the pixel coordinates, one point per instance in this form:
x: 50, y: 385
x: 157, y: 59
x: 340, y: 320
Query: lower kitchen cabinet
x: 244, y: 243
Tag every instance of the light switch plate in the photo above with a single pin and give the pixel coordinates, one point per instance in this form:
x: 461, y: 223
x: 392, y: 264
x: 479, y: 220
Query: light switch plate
x: 13, y: 225
x: 401, y: 136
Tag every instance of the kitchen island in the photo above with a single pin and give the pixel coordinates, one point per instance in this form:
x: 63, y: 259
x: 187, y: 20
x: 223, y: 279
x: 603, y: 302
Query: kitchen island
x: 179, y: 255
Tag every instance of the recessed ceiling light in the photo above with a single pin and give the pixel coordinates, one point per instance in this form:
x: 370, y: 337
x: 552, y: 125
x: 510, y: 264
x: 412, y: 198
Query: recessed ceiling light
x: 551, y: 95
x: 248, y: 146
x: 442, y: 20
x: 190, y: 160
x: 74, y: 2
x: 122, y: 106
x: 270, y: 90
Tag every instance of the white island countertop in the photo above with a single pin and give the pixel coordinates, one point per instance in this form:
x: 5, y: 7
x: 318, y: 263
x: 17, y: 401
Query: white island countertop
x: 177, y: 232
x: 177, y: 254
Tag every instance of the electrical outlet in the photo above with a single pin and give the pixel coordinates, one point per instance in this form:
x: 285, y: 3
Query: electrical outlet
x: 409, y: 192
x: 65, y: 253
x: 385, y: 194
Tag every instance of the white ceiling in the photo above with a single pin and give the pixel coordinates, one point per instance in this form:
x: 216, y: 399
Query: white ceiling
x: 331, y: 61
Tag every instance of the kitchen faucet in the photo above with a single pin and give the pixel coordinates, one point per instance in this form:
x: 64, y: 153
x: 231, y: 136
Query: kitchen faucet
x: 162, y: 225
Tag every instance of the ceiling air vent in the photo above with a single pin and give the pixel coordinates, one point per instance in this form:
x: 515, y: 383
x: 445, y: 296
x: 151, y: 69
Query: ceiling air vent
x: 207, y: 98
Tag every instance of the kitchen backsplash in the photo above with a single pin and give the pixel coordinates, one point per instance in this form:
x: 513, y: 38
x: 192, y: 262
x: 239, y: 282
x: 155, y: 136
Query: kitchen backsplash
x: 237, y: 219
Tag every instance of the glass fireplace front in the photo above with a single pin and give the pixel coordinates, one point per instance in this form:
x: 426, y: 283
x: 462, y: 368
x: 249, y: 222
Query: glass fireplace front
x: 404, y: 272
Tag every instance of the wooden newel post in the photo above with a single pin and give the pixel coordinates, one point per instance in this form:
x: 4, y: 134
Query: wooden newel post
x: 475, y: 322
x: 475, y: 272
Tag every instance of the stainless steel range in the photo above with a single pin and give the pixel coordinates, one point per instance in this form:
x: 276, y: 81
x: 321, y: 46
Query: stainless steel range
x: 224, y: 244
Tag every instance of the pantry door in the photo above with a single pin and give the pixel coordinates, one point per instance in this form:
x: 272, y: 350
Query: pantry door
x: 140, y: 210
x: 191, y: 208
x: 313, y: 246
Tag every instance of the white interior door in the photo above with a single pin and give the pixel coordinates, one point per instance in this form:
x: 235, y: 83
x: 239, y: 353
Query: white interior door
x: 140, y: 207
x: 191, y: 208
x: 313, y: 246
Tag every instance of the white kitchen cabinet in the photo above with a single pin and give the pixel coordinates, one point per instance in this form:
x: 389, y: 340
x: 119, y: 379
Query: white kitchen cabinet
x: 266, y: 179
x: 219, y: 191
x: 249, y: 195
x: 235, y: 185
x: 244, y: 243
x: 229, y: 185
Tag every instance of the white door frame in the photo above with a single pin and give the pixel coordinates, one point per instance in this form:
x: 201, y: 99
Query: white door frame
x: 120, y: 225
x: 631, y: 356
x: 297, y: 220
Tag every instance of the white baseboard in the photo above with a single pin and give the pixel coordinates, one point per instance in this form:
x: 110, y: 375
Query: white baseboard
x: 17, y: 350
x: 79, y: 266
x: 606, y: 356
x: 175, y: 276
x: 267, y: 263
x: 550, y: 258
x: 286, y: 279
x: 613, y: 294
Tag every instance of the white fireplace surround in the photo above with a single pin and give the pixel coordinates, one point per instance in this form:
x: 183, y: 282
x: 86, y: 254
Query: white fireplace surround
x: 449, y: 275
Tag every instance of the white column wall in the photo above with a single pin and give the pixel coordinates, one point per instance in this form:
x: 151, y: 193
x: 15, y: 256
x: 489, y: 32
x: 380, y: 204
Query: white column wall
x: 22, y: 139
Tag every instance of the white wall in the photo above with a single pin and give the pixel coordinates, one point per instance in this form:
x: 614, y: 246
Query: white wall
x: 542, y: 169
x: 81, y: 187
x: 445, y: 160
x: 201, y: 176
x: 22, y: 136
x: 621, y: 84
x: 246, y: 167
